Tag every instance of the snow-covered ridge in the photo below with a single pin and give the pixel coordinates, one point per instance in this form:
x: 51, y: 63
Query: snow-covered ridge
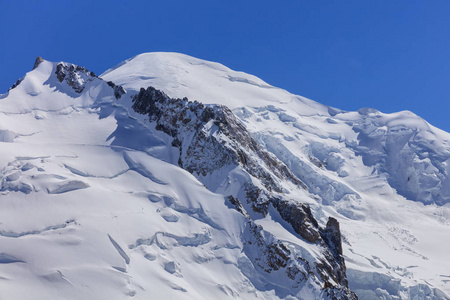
x: 357, y: 164
x: 181, y: 76
x: 141, y: 227
x: 107, y: 200
x: 184, y: 76
x: 211, y: 141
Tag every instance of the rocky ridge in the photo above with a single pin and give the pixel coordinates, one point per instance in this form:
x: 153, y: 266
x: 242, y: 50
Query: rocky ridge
x: 209, y: 137
x: 356, y: 167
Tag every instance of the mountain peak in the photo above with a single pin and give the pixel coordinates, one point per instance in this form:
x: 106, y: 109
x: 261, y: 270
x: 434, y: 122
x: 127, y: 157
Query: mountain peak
x: 38, y: 61
x: 244, y: 190
x: 76, y: 86
x: 180, y: 75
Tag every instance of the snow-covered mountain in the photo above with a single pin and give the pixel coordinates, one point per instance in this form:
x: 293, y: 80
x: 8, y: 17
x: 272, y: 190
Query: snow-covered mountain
x: 172, y: 177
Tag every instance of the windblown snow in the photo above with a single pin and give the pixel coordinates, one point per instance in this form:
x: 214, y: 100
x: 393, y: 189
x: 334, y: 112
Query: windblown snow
x: 95, y: 203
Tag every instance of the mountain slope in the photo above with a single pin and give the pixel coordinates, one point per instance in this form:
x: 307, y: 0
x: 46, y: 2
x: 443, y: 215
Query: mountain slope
x: 371, y: 171
x: 280, y: 197
x: 94, y: 207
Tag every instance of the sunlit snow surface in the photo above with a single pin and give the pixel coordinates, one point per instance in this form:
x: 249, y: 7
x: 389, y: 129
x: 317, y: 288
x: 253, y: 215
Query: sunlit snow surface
x: 87, y: 213
x: 372, y: 171
x: 93, y: 206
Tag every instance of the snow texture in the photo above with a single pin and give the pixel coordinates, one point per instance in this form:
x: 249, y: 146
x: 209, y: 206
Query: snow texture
x: 249, y: 193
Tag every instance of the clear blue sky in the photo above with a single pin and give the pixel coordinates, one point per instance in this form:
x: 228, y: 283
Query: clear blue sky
x: 388, y: 54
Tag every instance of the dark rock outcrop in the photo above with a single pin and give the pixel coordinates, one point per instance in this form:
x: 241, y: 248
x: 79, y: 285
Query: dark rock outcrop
x: 38, y: 61
x: 216, y: 133
x: 16, y: 84
x: 75, y: 76
x: 270, y: 254
x: 210, y: 137
x: 335, y: 264
x: 118, y: 90
x: 78, y: 78
x: 301, y: 219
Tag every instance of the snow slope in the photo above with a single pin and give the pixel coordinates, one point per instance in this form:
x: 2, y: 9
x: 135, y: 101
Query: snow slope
x: 95, y: 204
x: 93, y: 207
x: 383, y: 176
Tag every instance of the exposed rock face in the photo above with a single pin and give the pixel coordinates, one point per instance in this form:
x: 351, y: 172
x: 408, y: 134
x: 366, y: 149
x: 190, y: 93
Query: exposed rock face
x: 16, y: 84
x: 38, y: 61
x: 210, y: 137
x: 75, y: 76
x: 332, y: 236
x: 118, y: 90
x: 301, y: 219
x: 335, y: 263
x: 215, y: 132
x: 78, y: 78
x: 270, y: 254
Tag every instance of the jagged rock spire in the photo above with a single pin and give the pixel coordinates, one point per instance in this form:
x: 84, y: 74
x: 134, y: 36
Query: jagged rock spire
x: 38, y: 61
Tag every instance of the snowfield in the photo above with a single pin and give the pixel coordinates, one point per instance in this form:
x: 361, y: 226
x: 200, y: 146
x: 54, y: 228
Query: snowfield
x: 95, y: 204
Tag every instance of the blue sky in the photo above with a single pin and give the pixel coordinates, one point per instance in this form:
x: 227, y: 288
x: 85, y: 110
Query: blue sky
x: 391, y: 55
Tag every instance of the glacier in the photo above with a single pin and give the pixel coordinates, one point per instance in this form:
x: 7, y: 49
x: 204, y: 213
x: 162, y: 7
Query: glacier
x: 168, y: 176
